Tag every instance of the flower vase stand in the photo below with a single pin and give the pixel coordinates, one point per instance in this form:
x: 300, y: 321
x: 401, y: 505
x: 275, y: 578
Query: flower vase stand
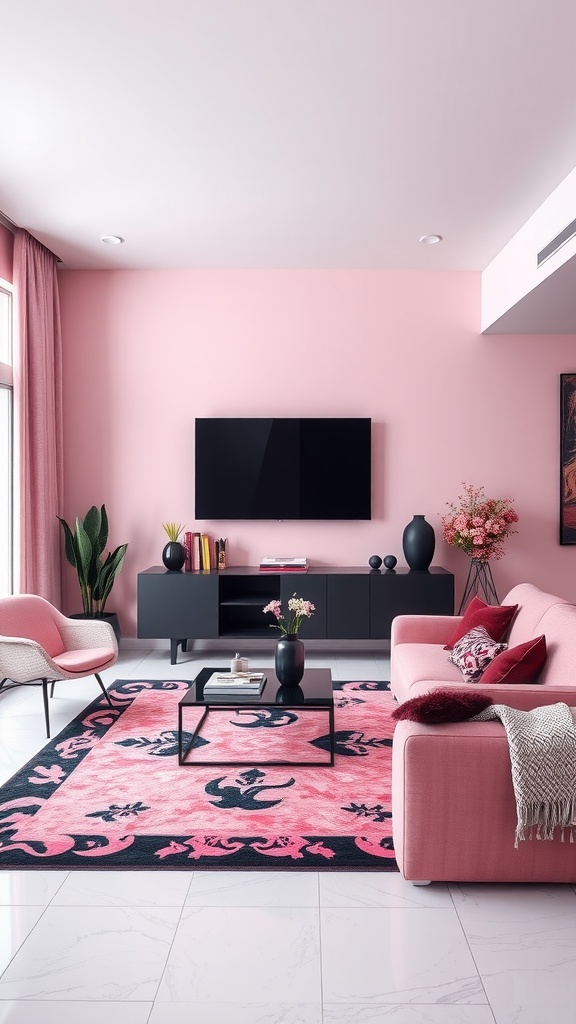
x: 479, y: 582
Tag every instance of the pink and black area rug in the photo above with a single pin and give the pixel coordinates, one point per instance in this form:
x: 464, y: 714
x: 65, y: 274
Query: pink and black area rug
x: 108, y: 791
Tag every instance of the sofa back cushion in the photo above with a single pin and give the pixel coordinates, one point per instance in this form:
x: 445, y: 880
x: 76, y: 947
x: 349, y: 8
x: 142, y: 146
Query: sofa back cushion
x: 532, y: 605
x: 558, y: 625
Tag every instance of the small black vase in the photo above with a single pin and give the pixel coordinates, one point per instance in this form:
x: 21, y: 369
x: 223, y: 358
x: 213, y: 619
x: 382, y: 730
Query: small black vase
x: 418, y: 543
x: 174, y: 555
x: 289, y: 660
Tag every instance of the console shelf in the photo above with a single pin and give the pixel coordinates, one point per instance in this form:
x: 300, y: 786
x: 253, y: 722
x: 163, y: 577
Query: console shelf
x: 352, y: 602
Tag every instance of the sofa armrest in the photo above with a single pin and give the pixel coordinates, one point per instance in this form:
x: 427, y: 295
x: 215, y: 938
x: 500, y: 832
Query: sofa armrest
x: 423, y: 629
x: 527, y: 696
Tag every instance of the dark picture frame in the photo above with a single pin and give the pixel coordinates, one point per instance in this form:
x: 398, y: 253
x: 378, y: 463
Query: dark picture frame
x: 568, y: 458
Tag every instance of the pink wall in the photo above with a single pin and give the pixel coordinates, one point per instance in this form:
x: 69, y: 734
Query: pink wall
x: 145, y: 352
x: 6, y: 253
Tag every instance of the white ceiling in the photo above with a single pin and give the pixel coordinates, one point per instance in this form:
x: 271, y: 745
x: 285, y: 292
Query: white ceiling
x: 283, y: 133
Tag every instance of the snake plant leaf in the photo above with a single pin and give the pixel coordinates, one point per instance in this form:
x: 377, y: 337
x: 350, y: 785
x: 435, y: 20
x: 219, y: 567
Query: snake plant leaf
x: 108, y: 573
x: 69, y: 544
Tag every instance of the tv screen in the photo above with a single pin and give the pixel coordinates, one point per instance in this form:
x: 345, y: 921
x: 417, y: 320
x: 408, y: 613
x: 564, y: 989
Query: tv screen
x: 283, y: 468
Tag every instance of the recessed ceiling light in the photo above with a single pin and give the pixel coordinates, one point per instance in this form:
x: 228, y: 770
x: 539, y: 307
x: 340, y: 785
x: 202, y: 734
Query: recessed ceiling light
x: 111, y: 239
x: 430, y: 239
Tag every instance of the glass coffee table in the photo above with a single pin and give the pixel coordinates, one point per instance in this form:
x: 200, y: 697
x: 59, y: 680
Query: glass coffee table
x: 313, y: 695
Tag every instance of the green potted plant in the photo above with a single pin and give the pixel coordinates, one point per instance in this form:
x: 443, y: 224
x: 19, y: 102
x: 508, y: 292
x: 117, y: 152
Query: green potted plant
x: 174, y: 553
x: 84, y: 546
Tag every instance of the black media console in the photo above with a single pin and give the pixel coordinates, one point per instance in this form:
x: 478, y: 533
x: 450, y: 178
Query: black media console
x: 352, y: 602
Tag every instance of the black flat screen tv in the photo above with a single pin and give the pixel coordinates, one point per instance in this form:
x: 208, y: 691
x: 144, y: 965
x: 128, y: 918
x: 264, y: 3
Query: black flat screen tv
x: 257, y: 468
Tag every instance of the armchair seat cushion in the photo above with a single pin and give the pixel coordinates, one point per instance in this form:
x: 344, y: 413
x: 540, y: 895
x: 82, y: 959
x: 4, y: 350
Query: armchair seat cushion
x: 89, y: 659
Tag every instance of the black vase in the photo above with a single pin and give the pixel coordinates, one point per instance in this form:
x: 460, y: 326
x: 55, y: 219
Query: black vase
x: 174, y: 555
x: 418, y: 543
x: 289, y: 660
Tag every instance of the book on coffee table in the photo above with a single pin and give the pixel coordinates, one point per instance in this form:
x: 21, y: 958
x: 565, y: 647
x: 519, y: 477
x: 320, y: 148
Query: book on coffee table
x: 235, y: 683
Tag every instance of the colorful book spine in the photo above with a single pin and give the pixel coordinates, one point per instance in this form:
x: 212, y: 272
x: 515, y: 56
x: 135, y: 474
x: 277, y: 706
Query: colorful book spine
x: 196, y: 554
x: 188, y: 546
x: 205, y: 548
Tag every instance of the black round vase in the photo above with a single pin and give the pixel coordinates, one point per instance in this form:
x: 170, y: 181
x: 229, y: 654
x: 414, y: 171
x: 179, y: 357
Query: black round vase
x: 418, y: 543
x: 289, y: 660
x: 174, y: 555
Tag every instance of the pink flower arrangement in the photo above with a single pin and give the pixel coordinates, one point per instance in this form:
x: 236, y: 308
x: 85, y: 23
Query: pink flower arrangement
x: 479, y: 525
x: 298, y: 608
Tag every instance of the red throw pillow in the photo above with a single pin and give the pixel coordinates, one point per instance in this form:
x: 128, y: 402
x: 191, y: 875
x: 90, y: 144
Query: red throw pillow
x: 495, y: 618
x: 521, y: 664
x: 442, y: 706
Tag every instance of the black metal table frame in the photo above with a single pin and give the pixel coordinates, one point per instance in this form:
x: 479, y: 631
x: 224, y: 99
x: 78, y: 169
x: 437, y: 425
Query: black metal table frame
x: 234, y: 706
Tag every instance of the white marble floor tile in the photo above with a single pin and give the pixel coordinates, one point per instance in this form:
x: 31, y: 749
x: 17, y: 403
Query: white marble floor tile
x: 92, y: 953
x: 253, y: 889
x: 57, y: 1012
x: 29, y: 888
x: 354, y: 667
x: 354, y: 1013
x: 523, y: 939
x: 16, y: 924
x: 378, y: 889
x: 396, y: 956
x: 238, y: 1013
x: 123, y: 889
x: 256, y: 954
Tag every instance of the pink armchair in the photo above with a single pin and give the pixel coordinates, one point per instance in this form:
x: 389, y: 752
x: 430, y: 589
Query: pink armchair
x: 40, y: 645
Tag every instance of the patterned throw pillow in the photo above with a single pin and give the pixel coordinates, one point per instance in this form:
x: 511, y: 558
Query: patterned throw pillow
x: 474, y: 652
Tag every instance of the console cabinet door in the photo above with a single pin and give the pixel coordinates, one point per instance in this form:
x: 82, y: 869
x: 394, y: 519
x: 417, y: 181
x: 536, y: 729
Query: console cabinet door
x: 410, y: 593
x: 348, y: 598
x: 311, y: 587
x: 178, y: 605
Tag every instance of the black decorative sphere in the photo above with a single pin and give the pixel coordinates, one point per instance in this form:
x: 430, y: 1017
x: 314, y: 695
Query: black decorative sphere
x: 374, y: 561
x: 390, y: 561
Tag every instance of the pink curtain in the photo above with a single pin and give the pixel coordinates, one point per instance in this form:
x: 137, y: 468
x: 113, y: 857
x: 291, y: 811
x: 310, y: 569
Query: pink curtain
x: 38, y: 398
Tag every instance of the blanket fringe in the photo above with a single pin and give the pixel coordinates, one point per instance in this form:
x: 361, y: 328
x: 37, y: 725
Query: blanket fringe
x: 546, y: 817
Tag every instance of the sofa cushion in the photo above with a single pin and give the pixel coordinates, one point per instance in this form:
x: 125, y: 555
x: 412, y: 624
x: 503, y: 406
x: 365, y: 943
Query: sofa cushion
x: 521, y: 664
x: 495, y: 619
x: 533, y: 605
x: 442, y: 706
x: 474, y: 652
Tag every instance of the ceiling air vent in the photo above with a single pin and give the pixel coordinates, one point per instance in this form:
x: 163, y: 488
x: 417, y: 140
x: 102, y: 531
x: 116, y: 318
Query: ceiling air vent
x: 565, y: 235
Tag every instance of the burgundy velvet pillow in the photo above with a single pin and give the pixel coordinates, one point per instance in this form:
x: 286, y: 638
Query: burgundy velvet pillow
x: 442, y: 706
x: 495, y: 618
x: 521, y: 664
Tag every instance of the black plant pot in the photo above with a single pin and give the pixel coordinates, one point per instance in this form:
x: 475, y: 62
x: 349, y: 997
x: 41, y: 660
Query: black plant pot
x: 174, y: 555
x: 289, y: 660
x: 110, y: 617
x: 418, y: 543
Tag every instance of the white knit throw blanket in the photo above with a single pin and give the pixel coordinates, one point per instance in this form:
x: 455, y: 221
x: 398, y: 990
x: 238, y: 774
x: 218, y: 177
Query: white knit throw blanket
x: 543, y: 758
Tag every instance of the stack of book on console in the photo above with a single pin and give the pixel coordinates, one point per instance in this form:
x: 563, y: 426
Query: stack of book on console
x: 284, y: 565
x: 237, y: 684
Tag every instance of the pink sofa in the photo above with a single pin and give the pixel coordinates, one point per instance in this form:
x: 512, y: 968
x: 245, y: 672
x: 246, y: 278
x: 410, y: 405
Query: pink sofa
x: 453, y: 807
x: 418, y: 661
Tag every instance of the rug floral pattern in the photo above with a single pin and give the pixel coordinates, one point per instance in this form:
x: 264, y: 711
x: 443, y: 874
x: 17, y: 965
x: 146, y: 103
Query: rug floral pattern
x: 108, y: 791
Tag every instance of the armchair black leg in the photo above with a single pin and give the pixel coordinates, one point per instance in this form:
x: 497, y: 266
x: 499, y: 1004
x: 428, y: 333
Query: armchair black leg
x: 103, y: 688
x: 46, y: 714
x: 52, y: 687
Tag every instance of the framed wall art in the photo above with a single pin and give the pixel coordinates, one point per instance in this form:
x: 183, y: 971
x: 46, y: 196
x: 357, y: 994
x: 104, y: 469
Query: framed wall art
x: 568, y: 458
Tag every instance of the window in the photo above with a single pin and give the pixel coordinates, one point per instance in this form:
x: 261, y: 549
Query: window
x: 6, y: 441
